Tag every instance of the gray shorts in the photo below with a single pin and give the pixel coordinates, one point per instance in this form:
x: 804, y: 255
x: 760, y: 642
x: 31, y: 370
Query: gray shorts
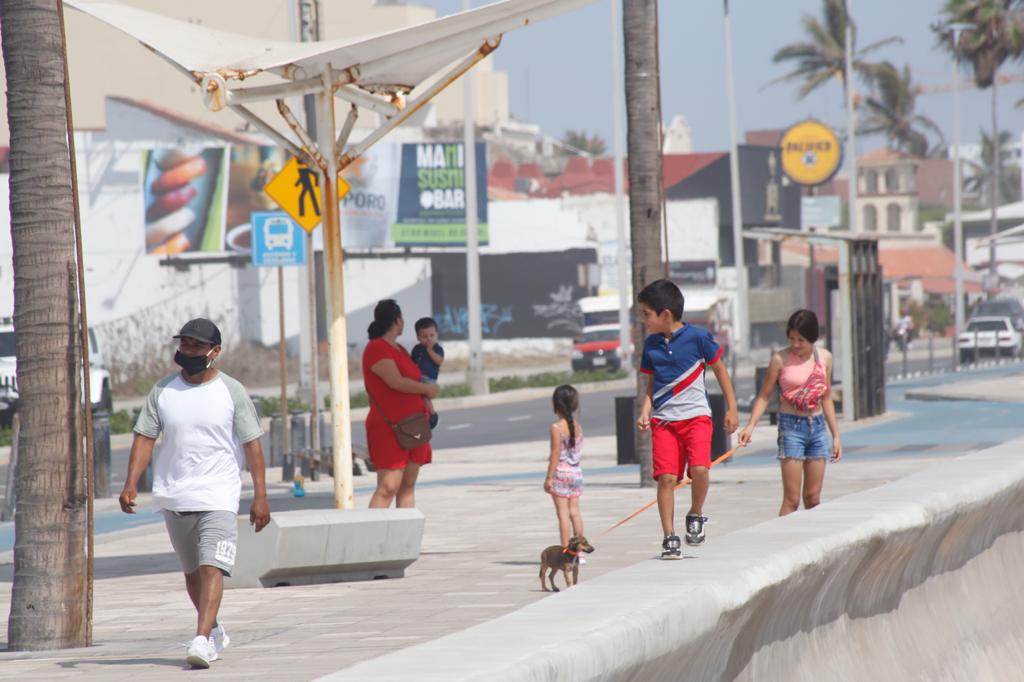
x: 203, y: 538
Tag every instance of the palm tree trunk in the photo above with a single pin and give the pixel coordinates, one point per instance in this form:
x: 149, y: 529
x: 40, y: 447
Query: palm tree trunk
x: 643, y: 115
x: 993, y: 190
x: 49, y: 592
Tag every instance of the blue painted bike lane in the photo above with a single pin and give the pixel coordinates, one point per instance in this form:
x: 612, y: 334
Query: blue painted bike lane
x: 932, y: 428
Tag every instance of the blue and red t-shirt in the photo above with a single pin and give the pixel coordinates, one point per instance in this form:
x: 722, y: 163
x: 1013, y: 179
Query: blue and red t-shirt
x: 677, y: 365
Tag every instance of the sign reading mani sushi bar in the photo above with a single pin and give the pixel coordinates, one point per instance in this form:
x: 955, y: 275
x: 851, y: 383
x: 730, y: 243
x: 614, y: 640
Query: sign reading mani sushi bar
x: 811, y: 153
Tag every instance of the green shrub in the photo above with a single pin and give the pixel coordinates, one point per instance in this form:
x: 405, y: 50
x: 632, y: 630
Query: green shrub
x: 546, y: 379
x: 6, y: 436
x: 121, y: 422
x: 455, y: 391
x: 268, y: 407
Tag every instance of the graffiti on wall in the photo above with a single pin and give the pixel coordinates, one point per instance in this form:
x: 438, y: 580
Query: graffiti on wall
x: 561, y: 312
x: 454, y: 320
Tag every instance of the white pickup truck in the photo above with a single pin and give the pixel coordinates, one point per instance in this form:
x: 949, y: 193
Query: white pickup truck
x: 99, y: 377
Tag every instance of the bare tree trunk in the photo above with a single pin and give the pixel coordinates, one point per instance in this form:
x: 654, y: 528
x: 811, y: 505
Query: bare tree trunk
x: 48, y: 600
x: 643, y: 115
x: 993, y: 190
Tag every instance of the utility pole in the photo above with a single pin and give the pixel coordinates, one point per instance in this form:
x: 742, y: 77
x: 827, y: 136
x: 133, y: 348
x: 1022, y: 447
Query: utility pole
x: 306, y: 27
x: 621, y: 253
x: 958, y: 228
x: 475, y: 376
x: 851, y: 125
x: 740, y: 325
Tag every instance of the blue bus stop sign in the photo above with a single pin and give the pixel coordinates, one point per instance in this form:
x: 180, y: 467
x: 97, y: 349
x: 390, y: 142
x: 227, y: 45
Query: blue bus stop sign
x: 277, y: 240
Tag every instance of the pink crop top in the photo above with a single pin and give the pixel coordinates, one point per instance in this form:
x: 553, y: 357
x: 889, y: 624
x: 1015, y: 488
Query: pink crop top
x: 803, y: 383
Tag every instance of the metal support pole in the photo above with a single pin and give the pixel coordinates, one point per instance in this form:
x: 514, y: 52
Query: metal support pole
x: 906, y: 343
x: 931, y: 354
x: 958, y: 228
x: 305, y: 20
x: 282, y: 353
x: 618, y: 144
x: 851, y: 124
x: 337, y: 335
x: 314, y: 338
x: 475, y: 374
x: 740, y: 324
x: 846, y: 332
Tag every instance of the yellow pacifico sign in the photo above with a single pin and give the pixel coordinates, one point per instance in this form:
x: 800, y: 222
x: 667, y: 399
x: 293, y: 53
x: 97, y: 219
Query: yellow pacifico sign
x: 811, y: 153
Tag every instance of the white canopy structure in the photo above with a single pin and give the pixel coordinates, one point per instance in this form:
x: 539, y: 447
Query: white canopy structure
x: 377, y: 73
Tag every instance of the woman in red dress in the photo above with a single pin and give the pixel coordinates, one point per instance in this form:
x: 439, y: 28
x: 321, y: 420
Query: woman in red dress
x: 392, y: 381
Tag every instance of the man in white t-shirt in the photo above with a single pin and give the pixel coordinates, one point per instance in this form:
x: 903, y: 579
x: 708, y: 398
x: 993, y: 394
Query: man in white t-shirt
x: 205, y: 421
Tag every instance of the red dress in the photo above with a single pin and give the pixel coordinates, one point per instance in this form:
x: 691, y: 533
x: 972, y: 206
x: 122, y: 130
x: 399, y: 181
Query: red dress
x: 385, y: 453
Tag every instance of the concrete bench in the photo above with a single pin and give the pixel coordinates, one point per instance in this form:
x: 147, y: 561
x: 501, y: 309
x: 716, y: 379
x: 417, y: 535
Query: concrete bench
x: 327, y: 545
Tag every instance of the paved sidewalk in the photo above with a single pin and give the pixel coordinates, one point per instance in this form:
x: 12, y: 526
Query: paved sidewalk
x: 487, y: 521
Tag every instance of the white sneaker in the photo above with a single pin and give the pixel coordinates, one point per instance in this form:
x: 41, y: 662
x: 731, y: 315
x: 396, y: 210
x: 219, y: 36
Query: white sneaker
x: 583, y: 559
x: 220, y: 638
x: 201, y: 652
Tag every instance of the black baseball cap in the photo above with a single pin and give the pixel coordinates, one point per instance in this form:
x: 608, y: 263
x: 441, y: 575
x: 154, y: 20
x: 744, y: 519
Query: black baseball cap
x: 200, y: 329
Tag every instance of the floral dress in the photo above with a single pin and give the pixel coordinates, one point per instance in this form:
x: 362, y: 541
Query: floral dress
x: 568, y: 479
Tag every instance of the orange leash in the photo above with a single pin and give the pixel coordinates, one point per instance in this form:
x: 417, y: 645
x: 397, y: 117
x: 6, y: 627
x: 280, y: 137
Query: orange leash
x: 650, y: 504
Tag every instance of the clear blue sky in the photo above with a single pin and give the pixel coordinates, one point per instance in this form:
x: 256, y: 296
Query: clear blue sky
x: 559, y: 70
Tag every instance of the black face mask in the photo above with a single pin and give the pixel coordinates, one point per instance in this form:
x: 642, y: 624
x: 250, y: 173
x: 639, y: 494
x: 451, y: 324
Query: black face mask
x: 192, y: 364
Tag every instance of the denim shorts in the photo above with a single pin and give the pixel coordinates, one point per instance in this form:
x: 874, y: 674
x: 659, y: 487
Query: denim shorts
x: 803, y: 437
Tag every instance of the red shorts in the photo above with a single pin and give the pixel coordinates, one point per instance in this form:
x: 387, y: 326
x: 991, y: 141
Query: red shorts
x: 385, y: 453
x: 679, y: 446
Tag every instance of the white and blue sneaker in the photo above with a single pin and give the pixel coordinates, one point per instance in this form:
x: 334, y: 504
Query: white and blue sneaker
x: 201, y: 652
x: 219, y: 637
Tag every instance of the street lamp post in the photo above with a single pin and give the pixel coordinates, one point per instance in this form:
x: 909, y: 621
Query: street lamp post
x: 851, y: 124
x: 740, y: 325
x: 621, y: 255
x: 958, y: 230
x: 475, y: 374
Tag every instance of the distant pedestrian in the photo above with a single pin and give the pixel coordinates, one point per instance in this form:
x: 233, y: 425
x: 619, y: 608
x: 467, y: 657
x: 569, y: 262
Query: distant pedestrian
x: 676, y: 409
x: 396, y: 391
x: 205, y: 421
x: 564, y: 480
x: 428, y: 356
x: 803, y: 374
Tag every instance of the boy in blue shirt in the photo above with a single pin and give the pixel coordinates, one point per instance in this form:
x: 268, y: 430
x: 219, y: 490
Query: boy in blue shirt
x: 428, y: 356
x: 675, y: 406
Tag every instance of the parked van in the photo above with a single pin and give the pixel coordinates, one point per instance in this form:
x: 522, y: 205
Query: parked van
x: 99, y: 377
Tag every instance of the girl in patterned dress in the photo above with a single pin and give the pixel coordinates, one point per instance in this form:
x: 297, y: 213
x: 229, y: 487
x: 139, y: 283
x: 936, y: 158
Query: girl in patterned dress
x: 564, y: 480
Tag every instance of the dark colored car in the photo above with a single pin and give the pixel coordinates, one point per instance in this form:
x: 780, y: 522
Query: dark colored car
x: 1002, y: 307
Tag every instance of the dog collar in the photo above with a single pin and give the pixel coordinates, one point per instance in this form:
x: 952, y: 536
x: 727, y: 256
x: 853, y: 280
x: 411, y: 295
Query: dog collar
x: 569, y: 552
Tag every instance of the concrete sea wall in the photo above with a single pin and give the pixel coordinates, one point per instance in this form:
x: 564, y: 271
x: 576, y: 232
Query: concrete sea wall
x: 917, y: 579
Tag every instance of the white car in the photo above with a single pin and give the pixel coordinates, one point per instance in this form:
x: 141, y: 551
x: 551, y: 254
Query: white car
x: 990, y: 336
x: 99, y: 377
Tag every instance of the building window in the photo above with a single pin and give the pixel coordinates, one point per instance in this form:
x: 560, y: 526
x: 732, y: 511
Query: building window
x: 892, y: 181
x: 892, y: 218
x: 871, y: 182
x: 870, y: 219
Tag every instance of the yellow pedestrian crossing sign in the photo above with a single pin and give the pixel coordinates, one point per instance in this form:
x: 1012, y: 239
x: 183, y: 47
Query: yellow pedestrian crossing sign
x: 296, y: 189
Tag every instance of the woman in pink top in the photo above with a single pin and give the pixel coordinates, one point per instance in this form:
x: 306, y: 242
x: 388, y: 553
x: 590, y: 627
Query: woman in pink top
x: 803, y: 374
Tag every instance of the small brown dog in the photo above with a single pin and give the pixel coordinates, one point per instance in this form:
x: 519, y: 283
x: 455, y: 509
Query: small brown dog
x: 567, y: 559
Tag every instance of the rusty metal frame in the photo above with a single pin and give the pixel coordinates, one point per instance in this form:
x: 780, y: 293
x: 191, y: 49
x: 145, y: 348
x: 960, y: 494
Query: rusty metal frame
x: 354, y: 95
x: 415, y: 104
x: 269, y: 130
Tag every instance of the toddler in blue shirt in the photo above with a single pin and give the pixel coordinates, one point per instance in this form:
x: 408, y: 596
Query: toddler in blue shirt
x: 428, y: 356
